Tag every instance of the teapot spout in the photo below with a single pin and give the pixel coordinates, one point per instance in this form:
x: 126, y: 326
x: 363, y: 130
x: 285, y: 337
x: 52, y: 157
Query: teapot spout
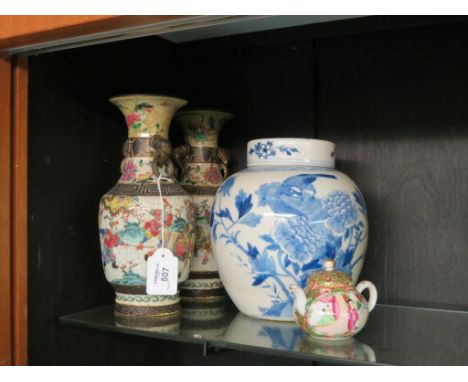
x: 300, y: 297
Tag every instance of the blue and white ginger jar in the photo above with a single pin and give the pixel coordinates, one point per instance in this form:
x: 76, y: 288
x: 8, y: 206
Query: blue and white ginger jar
x: 277, y: 221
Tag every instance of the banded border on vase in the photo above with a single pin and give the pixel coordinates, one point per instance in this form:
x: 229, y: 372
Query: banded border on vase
x: 145, y: 299
x: 203, y: 275
x: 138, y: 147
x: 202, y: 155
x: 200, y: 190
x: 202, y: 284
x: 139, y: 189
x: 147, y: 311
x: 219, y: 293
x: 147, y: 321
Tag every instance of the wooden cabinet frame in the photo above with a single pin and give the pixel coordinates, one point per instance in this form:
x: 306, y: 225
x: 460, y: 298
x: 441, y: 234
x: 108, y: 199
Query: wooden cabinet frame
x: 5, y: 212
x: 13, y: 207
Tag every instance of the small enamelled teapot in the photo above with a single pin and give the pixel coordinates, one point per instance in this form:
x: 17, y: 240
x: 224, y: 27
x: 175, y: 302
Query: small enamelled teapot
x: 331, y: 307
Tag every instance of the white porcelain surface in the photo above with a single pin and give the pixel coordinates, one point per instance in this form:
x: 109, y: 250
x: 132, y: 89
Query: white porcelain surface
x: 273, y: 224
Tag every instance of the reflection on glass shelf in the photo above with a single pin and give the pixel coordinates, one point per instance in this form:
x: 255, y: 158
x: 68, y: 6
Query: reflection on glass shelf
x: 393, y: 335
x: 284, y: 336
x: 205, y: 320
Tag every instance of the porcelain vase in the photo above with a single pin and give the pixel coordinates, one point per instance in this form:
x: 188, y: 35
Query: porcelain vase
x: 278, y: 220
x: 134, y: 212
x: 203, y: 168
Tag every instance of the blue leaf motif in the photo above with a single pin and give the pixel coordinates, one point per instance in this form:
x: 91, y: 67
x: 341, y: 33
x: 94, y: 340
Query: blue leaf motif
x: 360, y: 200
x: 224, y: 213
x: 267, y: 238
x: 243, y: 203
x: 347, y: 257
x: 258, y: 279
x: 331, y: 247
x: 346, y: 234
x: 225, y: 189
x: 214, y: 234
x: 288, y: 150
x: 251, y: 220
x: 265, y: 264
x: 252, y: 251
x: 296, y: 268
x: 278, y: 309
x: 314, y: 264
x: 273, y: 247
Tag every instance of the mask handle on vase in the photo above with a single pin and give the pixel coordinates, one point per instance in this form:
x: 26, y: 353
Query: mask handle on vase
x: 180, y: 155
x: 161, y: 151
x: 224, y: 158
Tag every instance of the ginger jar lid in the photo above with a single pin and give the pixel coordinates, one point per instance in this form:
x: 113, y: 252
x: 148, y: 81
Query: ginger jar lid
x: 329, y: 278
x: 293, y: 151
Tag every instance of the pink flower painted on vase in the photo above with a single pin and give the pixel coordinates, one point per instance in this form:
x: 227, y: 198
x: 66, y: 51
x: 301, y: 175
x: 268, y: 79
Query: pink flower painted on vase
x: 132, y: 118
x: 129, y: 171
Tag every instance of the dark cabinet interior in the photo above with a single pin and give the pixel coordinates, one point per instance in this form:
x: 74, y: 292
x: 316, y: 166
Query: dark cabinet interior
x: 391, y: 92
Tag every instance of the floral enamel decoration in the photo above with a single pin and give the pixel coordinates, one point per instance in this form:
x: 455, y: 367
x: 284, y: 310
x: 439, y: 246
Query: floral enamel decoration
x: 203, y: 168
x: 331, y: 307
x: 131, y: 222
x: 272, y: 226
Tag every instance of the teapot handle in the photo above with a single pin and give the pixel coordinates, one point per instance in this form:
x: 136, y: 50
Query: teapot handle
x: 372, y: 293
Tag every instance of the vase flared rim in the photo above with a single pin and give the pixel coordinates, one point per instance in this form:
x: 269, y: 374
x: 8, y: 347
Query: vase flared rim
x: 204, y: 110
x: 153, y: 96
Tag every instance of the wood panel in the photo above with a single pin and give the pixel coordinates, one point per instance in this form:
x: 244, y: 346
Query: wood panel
x: 24, y: 30
x: 396, y: 105
x: 5, y: 212
x: 20, y: 212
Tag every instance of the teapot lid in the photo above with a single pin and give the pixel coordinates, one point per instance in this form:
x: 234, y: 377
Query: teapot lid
x: 329, y: 278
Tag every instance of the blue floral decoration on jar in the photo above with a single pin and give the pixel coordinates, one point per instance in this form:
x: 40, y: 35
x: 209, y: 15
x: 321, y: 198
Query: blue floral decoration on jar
x: 314, y: 229
x: 268, y: 149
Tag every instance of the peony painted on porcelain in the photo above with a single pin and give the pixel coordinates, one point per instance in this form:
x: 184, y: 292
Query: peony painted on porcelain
x: 317, y: 228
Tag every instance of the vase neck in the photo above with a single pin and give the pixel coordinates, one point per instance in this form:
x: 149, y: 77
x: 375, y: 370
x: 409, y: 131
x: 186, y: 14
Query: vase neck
x: 200, y: 138
x: 290, y: 152
x: 201, y: 127
x: 148, y: 115
x: 145, y: 159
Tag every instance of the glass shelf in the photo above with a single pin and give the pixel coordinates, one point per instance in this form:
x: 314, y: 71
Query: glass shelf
x: 394, y: 335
